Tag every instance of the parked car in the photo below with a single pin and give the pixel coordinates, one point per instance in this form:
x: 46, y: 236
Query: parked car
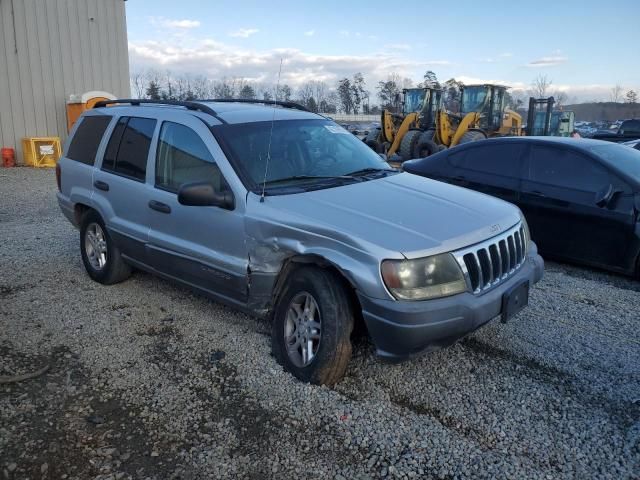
x: 633, y: 144
x: 581, y: 198
x: 628, y: 130
x: 284, y: 214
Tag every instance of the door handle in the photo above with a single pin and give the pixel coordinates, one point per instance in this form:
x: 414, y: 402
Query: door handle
x: 159, y: 206
x: 101, y: 185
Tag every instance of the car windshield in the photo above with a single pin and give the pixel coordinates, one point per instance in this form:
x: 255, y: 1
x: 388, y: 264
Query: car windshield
x: 301, y: 152
x: 620, y: 156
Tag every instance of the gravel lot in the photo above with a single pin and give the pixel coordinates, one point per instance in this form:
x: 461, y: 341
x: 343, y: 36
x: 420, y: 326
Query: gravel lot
x: 147, y: 380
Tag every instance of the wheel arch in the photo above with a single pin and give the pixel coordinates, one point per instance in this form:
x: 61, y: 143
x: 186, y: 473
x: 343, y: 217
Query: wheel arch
x: 292, y: 263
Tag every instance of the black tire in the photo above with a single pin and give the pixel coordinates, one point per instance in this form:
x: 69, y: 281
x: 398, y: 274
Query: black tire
x: 425, y: 145
x: 375, y: 146
x: 408, y: 143
x: 472, y: 136
x: 373, y: 135
x: 114, y: 269
x: 336, y: 321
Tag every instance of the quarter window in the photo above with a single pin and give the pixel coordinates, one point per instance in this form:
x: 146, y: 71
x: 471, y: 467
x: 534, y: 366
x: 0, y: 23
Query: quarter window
x: 85, y: 142
x: 184, y: 158
x: 128, y: 147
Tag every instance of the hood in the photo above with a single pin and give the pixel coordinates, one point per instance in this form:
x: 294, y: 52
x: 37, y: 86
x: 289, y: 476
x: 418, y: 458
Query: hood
x: 403, y: 213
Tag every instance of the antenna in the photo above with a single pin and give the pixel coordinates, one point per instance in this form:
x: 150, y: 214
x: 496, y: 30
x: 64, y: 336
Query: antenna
x: 273, y: 119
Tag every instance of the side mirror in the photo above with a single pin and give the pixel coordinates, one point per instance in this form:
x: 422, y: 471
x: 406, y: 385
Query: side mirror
x: 202, y: 194
x: 605, y: 196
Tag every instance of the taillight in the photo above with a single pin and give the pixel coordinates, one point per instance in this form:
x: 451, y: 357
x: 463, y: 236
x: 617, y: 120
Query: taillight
x: 58, y: 172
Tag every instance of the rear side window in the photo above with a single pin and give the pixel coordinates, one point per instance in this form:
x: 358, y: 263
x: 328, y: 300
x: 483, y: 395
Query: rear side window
x: 84, y: 144
x: 502, y: 159
x: 183, y: 157
x: 128, y: 147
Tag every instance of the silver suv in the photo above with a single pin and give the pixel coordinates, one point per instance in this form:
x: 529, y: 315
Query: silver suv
x: 284, y: 214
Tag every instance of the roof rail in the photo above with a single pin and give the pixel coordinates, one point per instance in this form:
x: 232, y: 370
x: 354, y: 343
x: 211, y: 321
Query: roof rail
x: 138, y: 101
x: 293, y: 105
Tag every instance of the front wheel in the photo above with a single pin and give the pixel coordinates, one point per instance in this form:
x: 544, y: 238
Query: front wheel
x: 312, y: 326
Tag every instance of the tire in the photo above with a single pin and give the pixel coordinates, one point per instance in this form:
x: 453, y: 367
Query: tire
x: 425, y: 145
x: 333, y: 314
x: 408, y: 143
x: 472, y: 136
x: 373, y: 140
x: 375, y: 146
x: 100, y: 256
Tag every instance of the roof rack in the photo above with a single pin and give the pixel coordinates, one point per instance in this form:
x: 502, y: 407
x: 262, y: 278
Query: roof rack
x: 293, y: 105
x: 138, y: 101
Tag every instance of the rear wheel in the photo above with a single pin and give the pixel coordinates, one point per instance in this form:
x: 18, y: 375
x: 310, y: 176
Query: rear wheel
x: 373, y: 140
x: 100, y: 256
x: 408, y: 143
x: 312, y: 326
x: 425, y: 145
x: 472, y: 136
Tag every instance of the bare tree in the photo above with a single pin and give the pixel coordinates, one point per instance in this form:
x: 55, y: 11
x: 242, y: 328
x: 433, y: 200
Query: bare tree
x: 632, y: 97
x: 139, y: 84
x: 540, y: 86
x: 560, y: 98
x: 615, y: 94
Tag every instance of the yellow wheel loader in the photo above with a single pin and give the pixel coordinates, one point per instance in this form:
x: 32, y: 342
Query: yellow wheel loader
x: 425, y: 127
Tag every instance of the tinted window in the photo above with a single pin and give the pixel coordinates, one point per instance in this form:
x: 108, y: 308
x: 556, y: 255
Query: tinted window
x: 566, y: 168
x: 502, y: 159
x: 631, y: 126
x: 86, y: 140
x: 128, y: 147
x: 183, y: 158
x: 621, y: 157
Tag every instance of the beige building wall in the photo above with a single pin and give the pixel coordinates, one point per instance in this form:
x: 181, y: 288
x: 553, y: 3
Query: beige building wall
x: 50, y: 49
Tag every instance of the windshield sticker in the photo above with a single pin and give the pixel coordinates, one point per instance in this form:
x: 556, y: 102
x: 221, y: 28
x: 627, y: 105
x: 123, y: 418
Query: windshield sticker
x: 336, y: 129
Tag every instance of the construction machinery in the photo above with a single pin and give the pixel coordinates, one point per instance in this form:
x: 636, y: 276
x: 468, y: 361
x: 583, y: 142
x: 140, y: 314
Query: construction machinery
x: 400, y: 133
x: 543, y: 120
x: 425, y: 126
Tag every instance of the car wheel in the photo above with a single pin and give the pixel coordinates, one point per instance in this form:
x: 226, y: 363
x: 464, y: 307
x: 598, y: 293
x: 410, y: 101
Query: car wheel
x: 100, y: 256
x: 312, y: 326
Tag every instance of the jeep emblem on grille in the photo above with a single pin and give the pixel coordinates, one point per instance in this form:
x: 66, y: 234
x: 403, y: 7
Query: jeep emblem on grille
x: 494, y: 228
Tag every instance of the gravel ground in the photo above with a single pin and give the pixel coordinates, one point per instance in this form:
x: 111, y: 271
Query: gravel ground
x: 148, y: 380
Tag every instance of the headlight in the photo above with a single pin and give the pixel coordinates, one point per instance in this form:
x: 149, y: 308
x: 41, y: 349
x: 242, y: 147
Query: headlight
x: 423, y: 278
x: 527, y: 235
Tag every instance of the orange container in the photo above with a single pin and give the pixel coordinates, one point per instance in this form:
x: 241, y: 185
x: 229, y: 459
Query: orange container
x: 8, y: 157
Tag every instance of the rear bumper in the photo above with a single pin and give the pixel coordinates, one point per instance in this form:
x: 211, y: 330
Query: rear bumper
x: 402, y: 329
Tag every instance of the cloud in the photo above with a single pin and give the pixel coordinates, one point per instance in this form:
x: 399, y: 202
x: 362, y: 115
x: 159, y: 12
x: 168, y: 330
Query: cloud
x: 309, y: 33
x: 398, y: 46
x: 549, y: 61
x: 506, y: 55
x: 216, y: 60
x: 244, y: 32
x: 174, y: 23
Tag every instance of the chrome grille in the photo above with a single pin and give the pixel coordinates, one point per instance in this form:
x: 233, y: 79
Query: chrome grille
x: 489, y: 263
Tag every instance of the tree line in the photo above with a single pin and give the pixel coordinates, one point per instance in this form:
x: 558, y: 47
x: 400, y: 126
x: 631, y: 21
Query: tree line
x: 347, y: 95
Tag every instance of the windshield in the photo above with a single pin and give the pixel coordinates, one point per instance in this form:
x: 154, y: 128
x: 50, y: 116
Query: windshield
x: 621, y: 157
x: 473, y: 99
x: 413, y: 100
x: 301, y: 151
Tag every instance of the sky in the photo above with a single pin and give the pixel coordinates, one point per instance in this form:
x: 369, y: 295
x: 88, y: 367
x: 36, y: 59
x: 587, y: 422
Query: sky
x: 584, y: 47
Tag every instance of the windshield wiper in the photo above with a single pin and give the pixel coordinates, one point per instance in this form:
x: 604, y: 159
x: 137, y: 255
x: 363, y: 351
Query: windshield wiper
x: 366, y: 171
x: 309, y: 177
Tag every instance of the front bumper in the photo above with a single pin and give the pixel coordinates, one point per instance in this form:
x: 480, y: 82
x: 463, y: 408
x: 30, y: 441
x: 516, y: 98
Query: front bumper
x: 402, y: 329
